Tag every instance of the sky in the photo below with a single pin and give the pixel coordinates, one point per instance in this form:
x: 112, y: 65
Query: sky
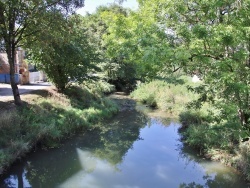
x: 90, y: 5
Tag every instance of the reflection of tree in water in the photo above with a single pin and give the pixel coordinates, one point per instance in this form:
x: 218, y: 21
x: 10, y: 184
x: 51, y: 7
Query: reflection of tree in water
x: 212, y: 179
x: 190, y: 185
x: 213, y: 182
x: 164, y: 122
x: 118, y: 136
x: 16, y: 179
x: 109, y: 142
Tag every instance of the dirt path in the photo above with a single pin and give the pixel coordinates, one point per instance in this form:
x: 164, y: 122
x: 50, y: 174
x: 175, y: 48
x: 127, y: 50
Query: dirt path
x: 6, y: 91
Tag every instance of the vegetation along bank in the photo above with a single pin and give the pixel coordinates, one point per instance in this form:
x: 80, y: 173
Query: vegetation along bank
x: 203, y: 127
x: 48, y: 117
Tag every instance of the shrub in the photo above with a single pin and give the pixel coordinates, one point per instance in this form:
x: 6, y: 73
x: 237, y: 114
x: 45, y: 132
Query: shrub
x: 165, y: 96
x: 243, y: 159
x: 192, y: 117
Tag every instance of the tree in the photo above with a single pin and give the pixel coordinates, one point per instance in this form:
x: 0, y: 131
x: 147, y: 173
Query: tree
x: 64, y: 52
x: 141, y: 40
x: 115, y: 68
x: 18, y: 20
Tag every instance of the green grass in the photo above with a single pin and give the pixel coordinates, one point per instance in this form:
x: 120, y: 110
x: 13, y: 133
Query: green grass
x: 165, y: 95
x: 48, y: 120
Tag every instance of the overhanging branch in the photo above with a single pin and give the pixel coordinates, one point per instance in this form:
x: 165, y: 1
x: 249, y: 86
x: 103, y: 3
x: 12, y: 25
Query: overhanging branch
x: 206, y: 55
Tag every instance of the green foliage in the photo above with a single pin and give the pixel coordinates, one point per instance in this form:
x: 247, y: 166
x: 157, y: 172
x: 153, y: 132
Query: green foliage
x: 206, y: 137
x: 116, y: 66
x: 165, y: 96
x: 192, y: 117
x: 120, y: 74
x: 98, y: 88
x: 217, y: 134
x: 207, y: 37
x: 200, y: 31
x: 218, y: 45
x: 64, y: 53
x: 243, y: 159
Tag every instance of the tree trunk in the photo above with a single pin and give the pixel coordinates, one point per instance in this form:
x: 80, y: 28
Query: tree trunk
x: 12, y: 59
x: 8, y: 33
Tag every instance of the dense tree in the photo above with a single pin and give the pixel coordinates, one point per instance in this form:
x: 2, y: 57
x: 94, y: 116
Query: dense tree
x: 21, y: 19
x: 116, y: 68
x: 141, y: 40
x: 64, y: 52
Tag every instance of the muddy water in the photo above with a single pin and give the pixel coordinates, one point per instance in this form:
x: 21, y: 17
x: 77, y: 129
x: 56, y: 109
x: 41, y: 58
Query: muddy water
x: 130, y: 151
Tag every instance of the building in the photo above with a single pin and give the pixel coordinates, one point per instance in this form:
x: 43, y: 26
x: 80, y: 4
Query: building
x: 20, y: 68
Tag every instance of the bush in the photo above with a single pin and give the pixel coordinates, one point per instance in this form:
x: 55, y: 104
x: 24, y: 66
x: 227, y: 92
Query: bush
x: 243, y: 159
x: 165, y: 96
x: 207, y: 138
x: 216, y: 132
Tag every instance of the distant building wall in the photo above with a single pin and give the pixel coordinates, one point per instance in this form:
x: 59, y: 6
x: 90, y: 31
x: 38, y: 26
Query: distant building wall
x: 22, y: 74
x: 4, y: 65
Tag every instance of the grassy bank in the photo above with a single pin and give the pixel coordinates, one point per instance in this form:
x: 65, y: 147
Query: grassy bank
x: 166, y: 95
x: 47, y: 117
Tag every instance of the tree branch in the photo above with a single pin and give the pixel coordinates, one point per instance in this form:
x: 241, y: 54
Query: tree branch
x: 206, y: 55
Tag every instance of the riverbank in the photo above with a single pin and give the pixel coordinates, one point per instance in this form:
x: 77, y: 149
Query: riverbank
x: 216, y: 141
x: 132, y: 145
x: 48, y: 117
x: 203, y: 128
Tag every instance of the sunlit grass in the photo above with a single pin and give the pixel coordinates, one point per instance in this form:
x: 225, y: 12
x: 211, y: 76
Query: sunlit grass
x: 165, y: 96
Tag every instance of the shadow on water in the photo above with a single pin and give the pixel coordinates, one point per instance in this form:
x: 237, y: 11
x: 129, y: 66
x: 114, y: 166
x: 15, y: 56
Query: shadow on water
x: 129, y: 151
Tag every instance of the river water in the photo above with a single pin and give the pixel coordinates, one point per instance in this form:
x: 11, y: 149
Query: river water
x: 130, y: 151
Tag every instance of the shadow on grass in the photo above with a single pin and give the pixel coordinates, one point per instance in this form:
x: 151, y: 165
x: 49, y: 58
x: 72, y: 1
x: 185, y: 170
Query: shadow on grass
x: 80, y: 97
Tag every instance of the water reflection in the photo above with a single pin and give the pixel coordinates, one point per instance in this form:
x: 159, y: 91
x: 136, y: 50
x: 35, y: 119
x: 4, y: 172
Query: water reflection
x: 17, y: 179
x: 109, y: 142
x: 215, y: 174
x: 131, y: 151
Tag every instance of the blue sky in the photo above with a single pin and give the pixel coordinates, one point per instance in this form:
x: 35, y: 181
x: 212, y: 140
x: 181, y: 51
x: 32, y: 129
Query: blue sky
x: 90, y: 5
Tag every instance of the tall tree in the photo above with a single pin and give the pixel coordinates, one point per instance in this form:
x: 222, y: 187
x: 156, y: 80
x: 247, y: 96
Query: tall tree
x: 18, y: 20
x: 115, y: 68
x: 64, y: 52
x: 140, y: 39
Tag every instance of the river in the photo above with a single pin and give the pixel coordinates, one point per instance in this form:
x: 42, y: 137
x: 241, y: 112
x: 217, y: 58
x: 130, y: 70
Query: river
x: 132, y: 150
